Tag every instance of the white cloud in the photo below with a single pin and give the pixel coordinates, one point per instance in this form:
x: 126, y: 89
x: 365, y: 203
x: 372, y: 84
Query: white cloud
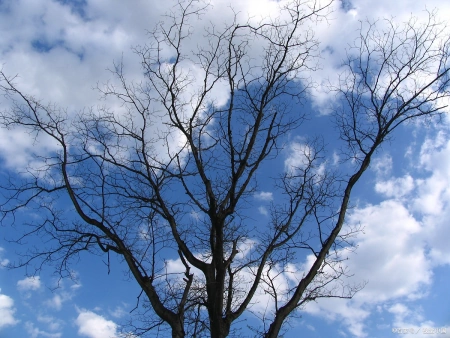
x: 20, y: 155
x: 54, y: 324
x: 58, y: 299
x: 337, y: 309
x: 403, y: 240
x: 55, y: 302
x: 263, y: 211
x: 382, y: 165
x: 391, y: 257
x: 29, y: 284
x: 3, y: 261
x: 35, y: 332
x: 396, y: 187
x: 434, y: 192
x: 245, y: 247
x: 62, y: 293
x: 336, y: 158
x: 399, y: 310
x: 391, y: 254
x: 341, y: 32
x: 412, y: 321
x: 264, y: 196
x: 77, y: 51
x: 432, y: 198
x: 299, y: 156
x: 7, y: 311
x: 175, y: 266
x: 93, y: 325
x: 118, y: 312
x: 310, y: 327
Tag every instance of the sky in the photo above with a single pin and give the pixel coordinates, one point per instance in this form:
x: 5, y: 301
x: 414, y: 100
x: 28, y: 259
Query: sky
x: 63, y: 49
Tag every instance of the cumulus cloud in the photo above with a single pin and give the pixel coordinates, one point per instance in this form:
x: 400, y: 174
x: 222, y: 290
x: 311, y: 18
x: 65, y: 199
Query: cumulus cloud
x: 29, y: 284
x: 93, y: 325
x: 404, y: 238
x: 432, y: 198
x: 434, y: 191
x: 390, y: 257
x: 264, y: 196
x: 391, y: 254
x: 7, y: 311
x: 61, y: 51
x: 341, y: 32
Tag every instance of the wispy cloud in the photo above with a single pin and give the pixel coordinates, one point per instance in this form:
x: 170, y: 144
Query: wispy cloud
x: 118, y: 312
x: 382, y: 165
x: 57, y: 301
x: 35, y: 332
x: 62, y: 295
x: 263, y: 211
x: 53, y: 324
x: 3, y: 261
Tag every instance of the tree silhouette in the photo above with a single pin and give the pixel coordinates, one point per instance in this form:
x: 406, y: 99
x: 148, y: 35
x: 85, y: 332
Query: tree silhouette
x: 172, y: 172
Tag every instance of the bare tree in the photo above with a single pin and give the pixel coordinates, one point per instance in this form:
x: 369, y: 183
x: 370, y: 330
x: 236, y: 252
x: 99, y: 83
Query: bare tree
x: 173, y: 173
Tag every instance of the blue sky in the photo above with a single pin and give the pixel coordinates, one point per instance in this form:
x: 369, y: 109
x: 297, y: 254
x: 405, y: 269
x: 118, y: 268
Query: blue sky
x: 61, y: 51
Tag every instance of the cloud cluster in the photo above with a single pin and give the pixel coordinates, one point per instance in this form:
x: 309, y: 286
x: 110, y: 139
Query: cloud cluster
x: 7, y: 311
x: 61, y: 51
x: 403, y: 240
